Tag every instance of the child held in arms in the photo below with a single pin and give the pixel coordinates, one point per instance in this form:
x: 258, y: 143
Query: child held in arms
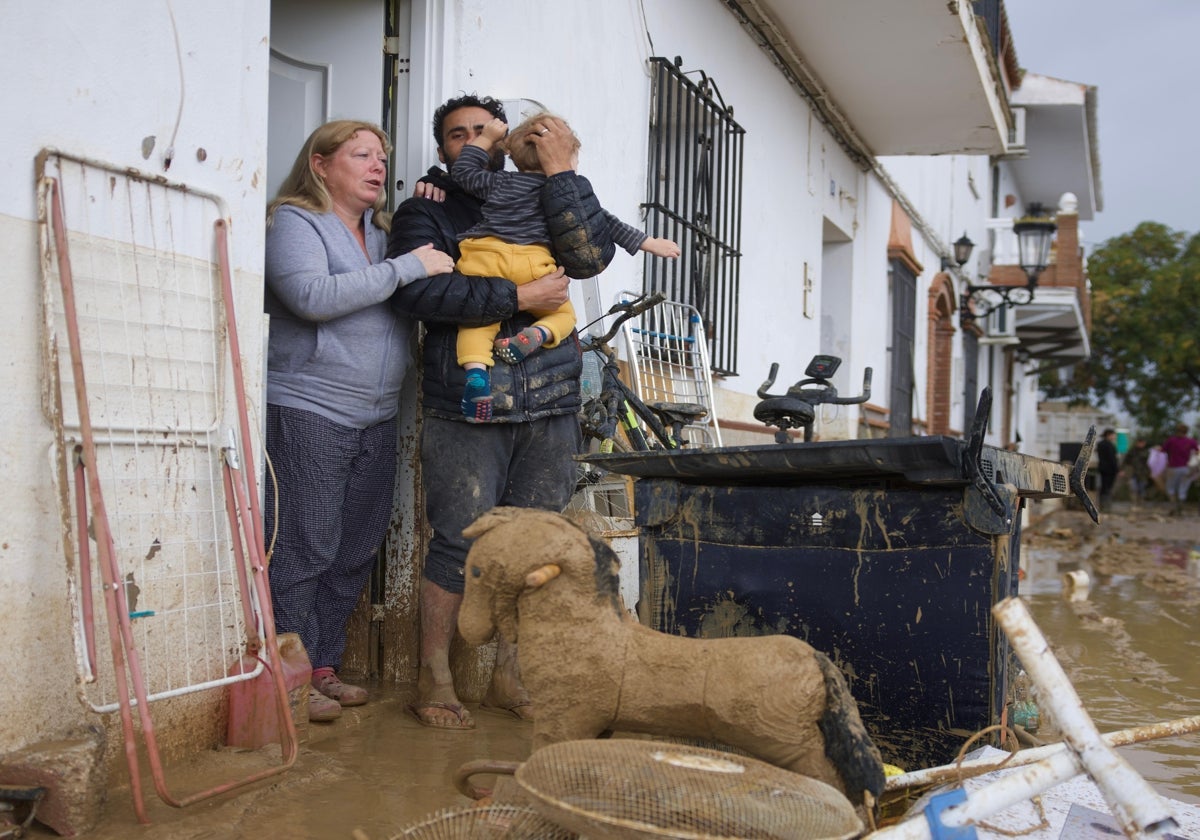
x: 512, y: 242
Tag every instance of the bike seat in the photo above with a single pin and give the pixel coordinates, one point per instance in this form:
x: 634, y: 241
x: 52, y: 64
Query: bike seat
x: 679, y: 412
x: 785, y: 412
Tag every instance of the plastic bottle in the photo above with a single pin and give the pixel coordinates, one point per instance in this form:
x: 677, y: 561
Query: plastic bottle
x: 1024, y: 711
x: 253, y: 714
x: 591, y: 380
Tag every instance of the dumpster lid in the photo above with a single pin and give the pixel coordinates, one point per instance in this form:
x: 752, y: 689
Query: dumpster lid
x: 933, y: 460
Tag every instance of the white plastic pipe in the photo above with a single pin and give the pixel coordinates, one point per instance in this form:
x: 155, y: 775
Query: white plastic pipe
x: 1134, y: 803
x: 978, y: 766
x: 1140, y: 811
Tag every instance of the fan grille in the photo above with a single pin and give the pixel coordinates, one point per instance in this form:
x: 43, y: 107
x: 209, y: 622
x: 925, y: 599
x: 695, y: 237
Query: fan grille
x: 485, y: 822
x: 625, y: 788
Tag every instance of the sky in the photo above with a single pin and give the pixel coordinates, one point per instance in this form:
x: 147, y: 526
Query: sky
x: 1143, y: 59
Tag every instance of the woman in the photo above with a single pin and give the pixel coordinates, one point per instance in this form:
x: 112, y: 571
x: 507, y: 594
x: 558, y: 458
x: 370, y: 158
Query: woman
x: 1179, y: 448
x: 336, y: 356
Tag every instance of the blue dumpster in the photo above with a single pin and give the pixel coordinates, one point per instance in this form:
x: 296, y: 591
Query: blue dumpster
x: 887, y: 555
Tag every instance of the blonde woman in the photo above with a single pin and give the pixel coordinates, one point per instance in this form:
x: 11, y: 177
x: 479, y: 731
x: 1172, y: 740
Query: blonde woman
x: 336, y: 357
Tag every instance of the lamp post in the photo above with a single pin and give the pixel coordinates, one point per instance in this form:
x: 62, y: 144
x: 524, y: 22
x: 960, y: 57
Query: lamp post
x: 1035, y: 232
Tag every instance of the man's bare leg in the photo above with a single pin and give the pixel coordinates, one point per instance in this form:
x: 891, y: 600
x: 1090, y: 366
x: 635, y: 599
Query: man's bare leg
x: 437, y: 703
x: 506, y: 691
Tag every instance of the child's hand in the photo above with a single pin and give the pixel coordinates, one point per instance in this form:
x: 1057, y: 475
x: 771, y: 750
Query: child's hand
x: 495, y: 129
x: 661, y: 247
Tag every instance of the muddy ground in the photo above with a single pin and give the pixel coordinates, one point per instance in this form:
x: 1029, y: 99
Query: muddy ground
x: 1129, y: 647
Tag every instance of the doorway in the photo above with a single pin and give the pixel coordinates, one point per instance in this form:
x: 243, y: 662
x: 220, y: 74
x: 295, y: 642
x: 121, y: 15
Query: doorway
x: 349, y: 60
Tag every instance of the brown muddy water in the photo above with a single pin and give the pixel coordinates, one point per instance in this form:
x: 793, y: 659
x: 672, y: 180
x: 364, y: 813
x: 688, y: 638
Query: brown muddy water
x: 1131, y: 649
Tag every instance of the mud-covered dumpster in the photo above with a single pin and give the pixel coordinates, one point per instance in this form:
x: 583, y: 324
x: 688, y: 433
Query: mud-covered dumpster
x: 887, y: 555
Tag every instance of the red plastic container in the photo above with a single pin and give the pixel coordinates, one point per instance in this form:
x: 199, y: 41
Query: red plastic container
x: 253, y: 711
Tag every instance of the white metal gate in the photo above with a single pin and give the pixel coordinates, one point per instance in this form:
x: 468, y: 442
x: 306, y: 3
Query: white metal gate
x: 161, y: 521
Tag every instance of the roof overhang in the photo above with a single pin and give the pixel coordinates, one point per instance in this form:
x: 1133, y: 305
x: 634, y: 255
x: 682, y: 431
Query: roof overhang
x: 1060, y: 136
x: 1051, y: 329
x: 910, y: 78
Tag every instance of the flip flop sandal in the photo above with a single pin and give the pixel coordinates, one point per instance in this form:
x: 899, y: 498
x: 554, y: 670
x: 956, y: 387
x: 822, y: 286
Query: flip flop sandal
x: 457, y: 709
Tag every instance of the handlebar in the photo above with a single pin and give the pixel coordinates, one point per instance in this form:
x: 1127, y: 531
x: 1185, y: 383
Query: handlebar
x: 624, y: 310
x: 823, y: 394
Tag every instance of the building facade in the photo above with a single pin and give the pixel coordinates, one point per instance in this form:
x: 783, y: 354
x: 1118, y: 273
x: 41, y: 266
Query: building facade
x: 816, y: 160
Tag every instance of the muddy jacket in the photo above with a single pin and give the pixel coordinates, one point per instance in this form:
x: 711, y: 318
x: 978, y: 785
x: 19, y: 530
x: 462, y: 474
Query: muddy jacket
x: 547, y: 383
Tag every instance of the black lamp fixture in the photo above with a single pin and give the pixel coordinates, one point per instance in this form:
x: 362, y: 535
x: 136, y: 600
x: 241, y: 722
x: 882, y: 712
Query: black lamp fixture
x: 1035, y: 232
x: 963, y: 246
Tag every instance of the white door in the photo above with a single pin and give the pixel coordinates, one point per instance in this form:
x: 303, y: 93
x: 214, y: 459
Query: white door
x: 327, y: 62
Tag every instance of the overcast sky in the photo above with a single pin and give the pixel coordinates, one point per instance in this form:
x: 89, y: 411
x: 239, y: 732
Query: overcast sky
x: 1143, y: 58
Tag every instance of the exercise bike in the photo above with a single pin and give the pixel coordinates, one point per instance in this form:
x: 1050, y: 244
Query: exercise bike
x: 797, y: 408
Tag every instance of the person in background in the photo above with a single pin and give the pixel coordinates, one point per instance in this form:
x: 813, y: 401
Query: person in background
x: 1179, y: 448
x: 512, y: 240
x: 1109, y: 466
x: 1157, y: 461
x: 335, y: 358
x: 1136, y: 465
x: 524, y: 455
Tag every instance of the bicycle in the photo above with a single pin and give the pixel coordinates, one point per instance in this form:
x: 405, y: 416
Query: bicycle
x: 797, y: 409
x: 645, y: 427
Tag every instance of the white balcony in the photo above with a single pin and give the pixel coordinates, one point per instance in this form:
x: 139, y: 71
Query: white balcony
x: 909, y: 78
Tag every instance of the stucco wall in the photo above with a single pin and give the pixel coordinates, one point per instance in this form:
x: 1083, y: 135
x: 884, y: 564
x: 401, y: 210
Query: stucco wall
x: 104, y: 81
x: 589, y: 62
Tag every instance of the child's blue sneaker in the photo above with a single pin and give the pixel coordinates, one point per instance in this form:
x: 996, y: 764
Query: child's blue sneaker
x: 477, y: 396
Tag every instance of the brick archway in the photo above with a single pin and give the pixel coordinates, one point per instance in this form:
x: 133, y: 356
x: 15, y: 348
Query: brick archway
x: 942, y: 304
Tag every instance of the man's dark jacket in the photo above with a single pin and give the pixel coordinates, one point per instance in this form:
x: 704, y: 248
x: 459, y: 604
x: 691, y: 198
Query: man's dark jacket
x: 546, y: 383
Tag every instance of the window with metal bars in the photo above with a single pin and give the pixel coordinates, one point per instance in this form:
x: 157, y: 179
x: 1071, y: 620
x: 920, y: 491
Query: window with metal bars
x: 694, y: 196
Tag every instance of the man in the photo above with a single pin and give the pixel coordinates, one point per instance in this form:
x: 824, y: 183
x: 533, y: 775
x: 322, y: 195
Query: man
x: 523, y: 456
x: 1106, y: 454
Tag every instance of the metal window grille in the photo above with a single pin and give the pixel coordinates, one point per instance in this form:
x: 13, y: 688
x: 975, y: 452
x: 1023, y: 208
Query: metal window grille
x: 694, y: 196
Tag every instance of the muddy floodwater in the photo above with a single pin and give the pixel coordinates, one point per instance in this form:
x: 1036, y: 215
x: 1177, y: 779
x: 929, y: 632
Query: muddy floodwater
x: 1130, y: 648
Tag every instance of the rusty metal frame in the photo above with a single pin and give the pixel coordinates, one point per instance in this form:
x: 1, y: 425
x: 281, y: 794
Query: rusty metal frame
x: 241, y: 504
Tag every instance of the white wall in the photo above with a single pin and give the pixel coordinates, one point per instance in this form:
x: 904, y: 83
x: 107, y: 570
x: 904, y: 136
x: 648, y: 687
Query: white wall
x: 103, y: 81
x: 589, y: 63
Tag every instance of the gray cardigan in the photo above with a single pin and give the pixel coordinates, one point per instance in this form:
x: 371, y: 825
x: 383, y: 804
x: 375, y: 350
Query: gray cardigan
x: 336, y: 348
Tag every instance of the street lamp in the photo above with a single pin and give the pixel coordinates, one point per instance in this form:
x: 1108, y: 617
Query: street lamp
x: 963, y: 246
x: 1035, y: 233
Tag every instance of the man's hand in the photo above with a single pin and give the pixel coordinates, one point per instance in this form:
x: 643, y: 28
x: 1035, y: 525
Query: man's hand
x: 554, y: 146
x: 545, y: 293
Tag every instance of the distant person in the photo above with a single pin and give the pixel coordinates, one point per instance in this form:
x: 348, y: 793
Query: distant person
x: 1106, y: 454
x: 1179, y: 448
x: 1157, y: 461
x: 1136, y: 466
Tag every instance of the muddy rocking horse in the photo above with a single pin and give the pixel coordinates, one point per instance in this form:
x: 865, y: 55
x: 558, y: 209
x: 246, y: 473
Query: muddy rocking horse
x: 591, y: 668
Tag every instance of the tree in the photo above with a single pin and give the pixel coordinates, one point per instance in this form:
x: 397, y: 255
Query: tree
x: 1145, y: 335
